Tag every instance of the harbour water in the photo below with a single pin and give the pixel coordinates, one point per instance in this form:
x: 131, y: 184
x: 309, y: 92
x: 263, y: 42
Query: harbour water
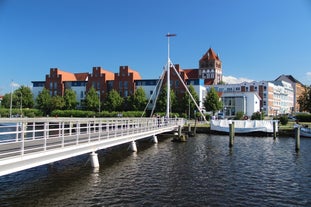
x: 204, y: 171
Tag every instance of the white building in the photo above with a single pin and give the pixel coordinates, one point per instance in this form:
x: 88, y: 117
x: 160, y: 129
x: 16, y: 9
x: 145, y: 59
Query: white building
x: 246, y: 102
x: 276, y: 97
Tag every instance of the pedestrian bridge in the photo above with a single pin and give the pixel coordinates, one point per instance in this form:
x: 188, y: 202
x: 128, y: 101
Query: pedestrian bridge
x: 31, y: 142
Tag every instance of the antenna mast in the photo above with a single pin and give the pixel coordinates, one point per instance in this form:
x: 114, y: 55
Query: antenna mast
x: 168, y: 67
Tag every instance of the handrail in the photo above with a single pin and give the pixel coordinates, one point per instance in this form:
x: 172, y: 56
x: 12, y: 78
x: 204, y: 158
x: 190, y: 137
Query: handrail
x: 24, y: 136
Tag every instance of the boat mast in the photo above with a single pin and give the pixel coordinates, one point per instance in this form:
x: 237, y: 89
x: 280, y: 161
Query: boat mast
x: 168, y: 67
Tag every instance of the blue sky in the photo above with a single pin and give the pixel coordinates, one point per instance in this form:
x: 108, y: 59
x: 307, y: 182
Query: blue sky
x: 255, y: 39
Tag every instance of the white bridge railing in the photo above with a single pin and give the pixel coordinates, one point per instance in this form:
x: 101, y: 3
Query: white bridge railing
x: 29, y: 142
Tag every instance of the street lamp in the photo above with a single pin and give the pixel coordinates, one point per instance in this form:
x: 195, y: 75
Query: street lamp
x: 12, y: 85
x: 98, y: 101
x: 21, y: 105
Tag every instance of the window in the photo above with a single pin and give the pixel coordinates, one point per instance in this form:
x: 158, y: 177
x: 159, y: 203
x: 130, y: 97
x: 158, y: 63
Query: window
x: 125, y: 84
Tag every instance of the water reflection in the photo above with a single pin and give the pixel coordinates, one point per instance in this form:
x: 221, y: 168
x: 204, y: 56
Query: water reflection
x: 201, y: 172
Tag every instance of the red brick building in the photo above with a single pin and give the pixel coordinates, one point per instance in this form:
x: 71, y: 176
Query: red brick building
x: 124, y: 81
x: 210, y: 68
x: 98, y: 80
x: 54, y: 82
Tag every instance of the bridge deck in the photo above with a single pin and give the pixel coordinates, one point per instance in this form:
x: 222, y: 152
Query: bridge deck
x: 27, y: 143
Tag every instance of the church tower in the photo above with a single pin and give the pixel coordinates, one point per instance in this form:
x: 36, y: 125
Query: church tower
x: 210, y: 68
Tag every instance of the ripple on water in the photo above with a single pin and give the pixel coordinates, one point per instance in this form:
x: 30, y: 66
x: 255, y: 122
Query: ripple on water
x: 200, y: 172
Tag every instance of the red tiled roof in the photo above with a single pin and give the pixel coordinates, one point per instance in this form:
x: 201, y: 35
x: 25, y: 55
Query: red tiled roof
x: 191, y: 73
x: 81, y: 76
x: 209, y: 55
x: 109, y: 75
x: 136, y: 75
x: 66, y: 76
x: 208, y: 81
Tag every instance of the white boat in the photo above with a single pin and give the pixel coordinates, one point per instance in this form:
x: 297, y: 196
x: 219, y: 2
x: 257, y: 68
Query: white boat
x: 244, y: 126
x: 305, y: 131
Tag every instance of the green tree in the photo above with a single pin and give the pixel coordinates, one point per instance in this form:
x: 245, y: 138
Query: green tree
x: 138, y: 100
x: 57, y: 103
x: 70, y: 99
x: 305, y: 100
x: 21, y: 98
x: 43, y: 101
x: 114, y: 101
x: 24, y: 97
x: 187, y: 105
x: 92, y: 102
x: 212, y: 101
x: 162, y: 100
x: 6, y: 100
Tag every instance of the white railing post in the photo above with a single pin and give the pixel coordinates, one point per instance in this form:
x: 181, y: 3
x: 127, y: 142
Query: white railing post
x: 59, y: 128
x: 77, y: 132
x: 115, y: 128
x: 17, y: 131
x: 107, y: 128
x: 101, y: 128
x: 63, y: 134
x: 70, y: 128
x: 22, y: 138
x: 88, y: 130
x: 33, y: 130
x: 98, y: 130
x: 45, y: 135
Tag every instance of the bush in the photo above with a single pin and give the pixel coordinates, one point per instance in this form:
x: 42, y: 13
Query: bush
x: 303, y: 117
x: 4, y: 112
x: 72, y: 113
x: 283, y: 119
x: 239, y: 115
x: 256, y: 116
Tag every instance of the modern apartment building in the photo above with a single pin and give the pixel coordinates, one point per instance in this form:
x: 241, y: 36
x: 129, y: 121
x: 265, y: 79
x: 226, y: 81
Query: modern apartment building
x: 276, y: 97
x: 298, y: 87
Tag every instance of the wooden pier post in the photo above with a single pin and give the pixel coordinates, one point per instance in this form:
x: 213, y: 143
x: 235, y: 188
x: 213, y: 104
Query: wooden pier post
x: 231, y: 134
x: 297, y: 137
x: 179, y: 131
x: 195, y: 128
x: 274, y: 130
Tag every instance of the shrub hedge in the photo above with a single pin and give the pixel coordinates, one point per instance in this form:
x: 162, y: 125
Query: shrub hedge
x: 4, y: 112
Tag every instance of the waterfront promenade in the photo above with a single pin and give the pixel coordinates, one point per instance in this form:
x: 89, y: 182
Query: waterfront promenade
x: 27, y: 143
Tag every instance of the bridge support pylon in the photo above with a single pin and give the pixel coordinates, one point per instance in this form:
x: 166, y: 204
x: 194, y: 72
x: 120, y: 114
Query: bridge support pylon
x: 94, y: 160
x: 133, y: 146
x: 154, y: 139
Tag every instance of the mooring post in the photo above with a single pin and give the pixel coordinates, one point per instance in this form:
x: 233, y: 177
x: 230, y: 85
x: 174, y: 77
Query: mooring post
x: 154, y: 139
x: 274, y: 129
x: 297, y: 137
x: 179, y: 131
x: 195, y: 127
x: 231, y: 134
x: 133, y: 146
x: 94, y: 160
